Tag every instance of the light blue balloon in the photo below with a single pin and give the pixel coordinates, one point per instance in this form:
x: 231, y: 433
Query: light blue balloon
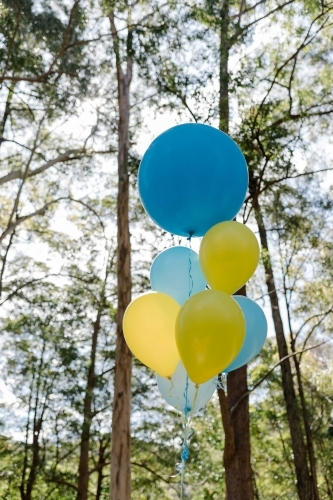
x: 192, y: 177
x: 255, y: 334
x: 173, y: 391
x: 177, y: 272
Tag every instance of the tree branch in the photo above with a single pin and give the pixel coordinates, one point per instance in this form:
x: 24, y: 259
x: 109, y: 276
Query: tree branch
x: 41, y: 211
x: 60, y: 53
x: 271, y: 371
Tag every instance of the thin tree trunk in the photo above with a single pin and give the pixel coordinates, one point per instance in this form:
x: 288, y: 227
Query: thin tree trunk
x: 36, y: 429
x: 224, y: 71
x: 121, y: 436
x: 100, y: 466
x: 237, y: 451
x: 83, y: 479
x: 26, y: 445
x: 6, y: 111
x: 305, y: 486
x: 308, y: 432
x: 35, y: 459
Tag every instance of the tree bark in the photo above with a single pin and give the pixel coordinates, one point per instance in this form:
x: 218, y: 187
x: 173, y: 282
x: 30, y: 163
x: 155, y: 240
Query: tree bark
x: 236, y: 424
x: 224, y: 71
x: 308, y: 432
x: 6, y: 111
x: 121, y: 437
x: 100, y: 466
x: 83, y: 480
x: 305, y: 415
x: 35, y: 459
x: 26, y: 493
x: 305, y: 485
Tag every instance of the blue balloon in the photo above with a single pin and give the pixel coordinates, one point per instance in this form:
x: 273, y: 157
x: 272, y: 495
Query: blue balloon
x: 177, y: 272
x: 255, y: 335
x: 173, y: 391
x: 192, y: 177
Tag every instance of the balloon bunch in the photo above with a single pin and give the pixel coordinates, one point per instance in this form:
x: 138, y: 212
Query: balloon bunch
x: 192, y: 182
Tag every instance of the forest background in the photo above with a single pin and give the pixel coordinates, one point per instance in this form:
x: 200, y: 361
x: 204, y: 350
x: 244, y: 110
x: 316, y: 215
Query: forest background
x: 85, y: 86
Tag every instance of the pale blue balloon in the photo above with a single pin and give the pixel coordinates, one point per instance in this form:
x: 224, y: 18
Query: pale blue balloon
x: 173, y: 391
x: 176, y: 271
x: 255, y: 334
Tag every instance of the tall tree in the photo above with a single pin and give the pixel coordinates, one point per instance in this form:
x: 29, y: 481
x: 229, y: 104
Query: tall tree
x: 121, y: 433
x: 234, y: 25
x: 275, y: 167
x: 133, y: 40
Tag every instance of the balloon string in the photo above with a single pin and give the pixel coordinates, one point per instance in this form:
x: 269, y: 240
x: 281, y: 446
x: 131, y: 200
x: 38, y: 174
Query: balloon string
x: 172, y: 387
x: 185, y: 453
x: 195, y: 397
x: 190, y: 277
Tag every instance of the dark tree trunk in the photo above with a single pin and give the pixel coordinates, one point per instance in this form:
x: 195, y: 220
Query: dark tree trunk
x: 26, y: 493
x: 121, y: 436
x: 35, y: 460
x: 236, y: 424
x: 83, y: 480
x: 305, y: 484
x: 308, y: 432
x: 6, y: 112
x: 224, y: 72
x: 100, y: 466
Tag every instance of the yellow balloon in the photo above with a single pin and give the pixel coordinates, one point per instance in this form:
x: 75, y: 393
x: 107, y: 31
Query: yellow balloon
x: 210, y: 332
x: 229, y: 255
x: 149, y: 330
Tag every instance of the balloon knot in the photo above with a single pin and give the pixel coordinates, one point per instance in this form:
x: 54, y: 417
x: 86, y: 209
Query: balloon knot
x: 187, y: 410
x: 185, y: 453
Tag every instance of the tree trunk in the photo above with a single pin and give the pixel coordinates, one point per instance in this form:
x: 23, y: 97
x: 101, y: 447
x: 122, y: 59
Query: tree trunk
x: 237, y: 451
x: 305, y: 415
x: 100, y: 466
x: 6, y: 111
x: 121, y: 436
x: 236, y: 424
x: 308, y: 432
x: 224, y: 72
x: 83, y: 480
x: 305, y: 485
x: 26, y: 493
x: 35, y: 459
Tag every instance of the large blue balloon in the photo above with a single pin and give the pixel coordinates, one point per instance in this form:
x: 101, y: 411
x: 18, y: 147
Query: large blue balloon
x: 255, y: 334
x: 192, y: 177
x: 177, y: 272
x: 174, y: 390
